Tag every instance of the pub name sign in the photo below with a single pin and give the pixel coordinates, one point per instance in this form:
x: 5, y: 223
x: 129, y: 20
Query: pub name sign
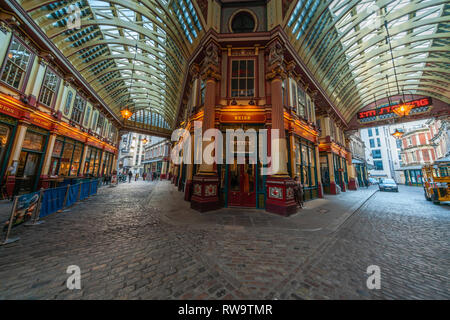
x: 419, y: 106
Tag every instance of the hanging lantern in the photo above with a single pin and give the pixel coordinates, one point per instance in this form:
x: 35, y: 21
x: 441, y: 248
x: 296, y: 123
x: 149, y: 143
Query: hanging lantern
x: 126, y: 113
x: 403, y: 109
x: 144, y: 141
x: 397, y: 134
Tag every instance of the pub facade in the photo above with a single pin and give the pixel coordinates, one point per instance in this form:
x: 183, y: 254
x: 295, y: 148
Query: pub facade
x: 52, y: 131
x: 244, y: 77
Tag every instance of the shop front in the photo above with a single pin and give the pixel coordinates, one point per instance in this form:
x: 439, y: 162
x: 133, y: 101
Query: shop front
x: 333, y: 168
x: 241, y: 183
x: 413, y: 176
x: 30, y: 160
x: 8, y: 128
x: 107, y: 165
x: 305, y: 166
x: 92, y: 162
x: 66, y: 158
x: 325, y: 172
x: 361, y: 172
x: 340, y: 172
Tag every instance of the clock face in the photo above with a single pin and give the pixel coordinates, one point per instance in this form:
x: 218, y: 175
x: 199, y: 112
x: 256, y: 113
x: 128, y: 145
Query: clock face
x: 243, y: 22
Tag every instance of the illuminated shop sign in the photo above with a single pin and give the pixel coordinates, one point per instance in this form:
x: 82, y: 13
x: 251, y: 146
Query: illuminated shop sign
x: 242, y: 117
x: 418, y: 106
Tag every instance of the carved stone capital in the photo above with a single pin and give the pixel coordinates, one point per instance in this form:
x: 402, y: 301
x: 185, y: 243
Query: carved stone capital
x: 211, y: 57
x: 290, y: 67
x: 276, y: 72
x: 313, y: 94
x: 210, y: 64
x: 211, y: 72
x: 42, y: 61
x: 4, y: 27
x: 194, y: 71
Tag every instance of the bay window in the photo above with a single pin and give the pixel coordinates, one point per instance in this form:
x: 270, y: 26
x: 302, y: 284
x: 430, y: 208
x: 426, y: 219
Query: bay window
x: 49, y: 88
x: 78, y: 109
x: 16, y: 66
x: 243, y: 78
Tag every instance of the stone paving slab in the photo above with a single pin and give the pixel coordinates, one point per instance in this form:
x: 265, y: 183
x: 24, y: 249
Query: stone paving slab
x: 128, y: 248
x: 320, y: 214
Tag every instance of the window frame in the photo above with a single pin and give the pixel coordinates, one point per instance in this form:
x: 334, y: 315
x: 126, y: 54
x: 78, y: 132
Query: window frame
x: 102, y: 128
x: 27, y: 71
x: 80, y: 122
x: 255, y: 77
x: 377, y: 168
x: 41, y: 91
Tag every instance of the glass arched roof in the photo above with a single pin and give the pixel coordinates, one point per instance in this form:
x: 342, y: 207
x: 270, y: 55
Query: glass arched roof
x: 133, y: 53
x: 344, y: 44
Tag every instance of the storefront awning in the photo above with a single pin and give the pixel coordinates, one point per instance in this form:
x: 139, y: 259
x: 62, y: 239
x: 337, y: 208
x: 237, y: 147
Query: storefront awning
x: 446, y: 159
x: 409, y: 168
x: 357, y: 161
x: 151, y: 161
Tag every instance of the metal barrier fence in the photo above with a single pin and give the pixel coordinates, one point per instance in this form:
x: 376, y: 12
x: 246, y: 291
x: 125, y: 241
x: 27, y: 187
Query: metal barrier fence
x: 32, y: 206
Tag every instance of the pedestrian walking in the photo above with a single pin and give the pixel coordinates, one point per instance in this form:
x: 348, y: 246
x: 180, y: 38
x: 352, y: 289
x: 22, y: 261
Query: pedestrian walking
x: 144, y: 175
x: 298, y: 192
x: 136, y: 177
x: 130, y: 175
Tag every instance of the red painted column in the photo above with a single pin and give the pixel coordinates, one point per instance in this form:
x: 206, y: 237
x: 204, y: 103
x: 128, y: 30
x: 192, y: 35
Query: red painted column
x: 205, y: 183
x: 279, y: 186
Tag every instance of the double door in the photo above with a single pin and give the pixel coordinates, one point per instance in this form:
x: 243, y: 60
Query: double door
x: 28, y: 171
x: 242, y: 185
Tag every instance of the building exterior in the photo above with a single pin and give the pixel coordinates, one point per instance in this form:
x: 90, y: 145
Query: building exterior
x: 358, y: 151
x: 132, y: 150
x: 245, y: 77
x: 156, y: 158
x: 440, y: 136
x: 384, y: 151
x: 53, y: 129
x: 423, y: 145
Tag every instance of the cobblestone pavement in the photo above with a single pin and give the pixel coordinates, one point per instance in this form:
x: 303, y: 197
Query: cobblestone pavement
x: 129, y: 247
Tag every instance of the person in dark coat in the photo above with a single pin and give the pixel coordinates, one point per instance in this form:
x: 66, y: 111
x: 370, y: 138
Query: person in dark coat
x: 130, y: 175
x: 298, y: 192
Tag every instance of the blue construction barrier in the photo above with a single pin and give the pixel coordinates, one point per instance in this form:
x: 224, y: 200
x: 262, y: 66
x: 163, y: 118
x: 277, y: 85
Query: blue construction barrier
x: 73, y: 194
x: 84, y: 190
x: 52, y: 201
x: 94, y: 186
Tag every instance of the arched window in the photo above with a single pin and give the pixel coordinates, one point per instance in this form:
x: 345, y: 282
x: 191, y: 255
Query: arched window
x: 243, y: 22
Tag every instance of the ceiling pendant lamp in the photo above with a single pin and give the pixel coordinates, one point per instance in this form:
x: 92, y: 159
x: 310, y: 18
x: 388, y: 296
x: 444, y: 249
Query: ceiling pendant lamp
x: 397, y: 134
x: 126, y: 113
x: 403, y: 109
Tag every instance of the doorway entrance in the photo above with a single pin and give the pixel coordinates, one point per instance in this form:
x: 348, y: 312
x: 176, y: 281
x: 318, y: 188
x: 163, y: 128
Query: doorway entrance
x: 242, y: 185
x: 27, y: 171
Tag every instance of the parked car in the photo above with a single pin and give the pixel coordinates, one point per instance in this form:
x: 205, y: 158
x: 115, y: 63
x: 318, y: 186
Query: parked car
x: 388, y: 185
x: 373, y: 181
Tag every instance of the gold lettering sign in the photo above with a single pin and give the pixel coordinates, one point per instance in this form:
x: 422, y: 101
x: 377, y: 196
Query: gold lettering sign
x: 249, y: 118
x: 242, y: 118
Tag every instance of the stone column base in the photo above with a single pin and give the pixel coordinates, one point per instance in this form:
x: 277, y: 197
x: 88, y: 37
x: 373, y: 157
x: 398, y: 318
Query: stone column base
x: 343, y: 187
x: 10, y: 183
x: 320, y: 190
x: 352, y: 185
x: 205, y: 190
x: 180, y: 185
x: 188, y: 190
x: 43, y: 184
x: 334, y: 188
x: 280, y: 196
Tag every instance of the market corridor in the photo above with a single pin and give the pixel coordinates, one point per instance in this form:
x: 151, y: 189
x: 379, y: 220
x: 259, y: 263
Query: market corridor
x: 140, y: 240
